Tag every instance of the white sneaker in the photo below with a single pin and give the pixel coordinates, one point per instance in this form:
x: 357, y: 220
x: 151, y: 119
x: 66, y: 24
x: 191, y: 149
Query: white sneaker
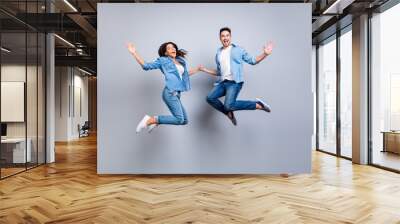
x: 142, y: 124
x: 151, y: 127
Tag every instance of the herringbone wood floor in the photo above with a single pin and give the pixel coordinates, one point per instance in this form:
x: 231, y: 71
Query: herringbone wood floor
x: 70, y: 191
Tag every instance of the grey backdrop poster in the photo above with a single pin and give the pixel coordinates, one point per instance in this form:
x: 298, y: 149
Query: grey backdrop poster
x: 277, y: 142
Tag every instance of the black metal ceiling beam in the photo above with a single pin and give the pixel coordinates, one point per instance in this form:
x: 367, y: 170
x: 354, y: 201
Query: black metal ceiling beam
x: 48, y: 22
x: 334, y: 26
x: 201, y: 1
x: 91, y: 5
x: 82, y: 61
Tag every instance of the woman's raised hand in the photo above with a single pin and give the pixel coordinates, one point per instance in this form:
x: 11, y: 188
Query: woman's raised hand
x: 131, y: 48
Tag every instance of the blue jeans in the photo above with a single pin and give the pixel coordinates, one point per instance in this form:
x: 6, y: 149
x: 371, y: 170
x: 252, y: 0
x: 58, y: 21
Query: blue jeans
x: 173, y: 100
x: 230, y: 90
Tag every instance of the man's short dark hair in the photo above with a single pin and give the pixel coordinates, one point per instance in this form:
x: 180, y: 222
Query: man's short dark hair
x: 224, y: 29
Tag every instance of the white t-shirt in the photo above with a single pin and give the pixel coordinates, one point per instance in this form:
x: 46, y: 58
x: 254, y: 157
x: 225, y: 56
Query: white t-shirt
x: 225, y: 63
x: 181, y: 70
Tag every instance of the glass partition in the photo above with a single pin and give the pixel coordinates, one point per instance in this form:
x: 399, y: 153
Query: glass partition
x: 22, y: 101
x: 14, y: 153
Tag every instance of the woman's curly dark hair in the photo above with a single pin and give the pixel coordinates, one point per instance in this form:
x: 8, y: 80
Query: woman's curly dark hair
x: 163, y: 49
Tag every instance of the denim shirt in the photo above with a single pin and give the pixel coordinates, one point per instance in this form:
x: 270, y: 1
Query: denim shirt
x: 238, y: 56
x: 171, y: 74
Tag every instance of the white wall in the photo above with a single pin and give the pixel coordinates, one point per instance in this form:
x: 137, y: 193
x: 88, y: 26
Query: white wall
x: 276, y: 142
x: 33, y: 127
x: 80, y: 84
x: 62, y: 81
x: 15, y: 72
x: 68, y: 81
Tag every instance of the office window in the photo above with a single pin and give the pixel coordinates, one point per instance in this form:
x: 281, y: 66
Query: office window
x: 346, y: 93
x: 314, y: 93
x: 385, y: 88
x: 327, y: 96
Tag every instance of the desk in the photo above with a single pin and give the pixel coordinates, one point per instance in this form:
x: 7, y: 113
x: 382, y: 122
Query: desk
x: 15, y: 148
x: 391, y: 141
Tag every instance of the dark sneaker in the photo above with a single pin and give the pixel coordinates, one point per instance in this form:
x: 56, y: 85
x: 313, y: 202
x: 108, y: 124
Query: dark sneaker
x: 265, y: 106
x: 231, y: 117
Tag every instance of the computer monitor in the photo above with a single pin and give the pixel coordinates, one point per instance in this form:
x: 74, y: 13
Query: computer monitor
x: 3, y: 129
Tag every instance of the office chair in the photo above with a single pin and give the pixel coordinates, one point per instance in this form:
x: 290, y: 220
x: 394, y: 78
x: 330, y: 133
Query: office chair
x: 84, y: 130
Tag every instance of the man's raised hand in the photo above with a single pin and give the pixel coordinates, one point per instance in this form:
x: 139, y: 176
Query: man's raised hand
x: 268, y: 48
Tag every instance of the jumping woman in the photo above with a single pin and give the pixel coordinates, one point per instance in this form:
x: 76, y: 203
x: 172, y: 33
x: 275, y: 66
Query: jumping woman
x: 173, y: 65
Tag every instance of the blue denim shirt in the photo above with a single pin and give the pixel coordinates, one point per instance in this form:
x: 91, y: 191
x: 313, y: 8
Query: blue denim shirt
x: 171, y: 74
x: 238, y: 56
